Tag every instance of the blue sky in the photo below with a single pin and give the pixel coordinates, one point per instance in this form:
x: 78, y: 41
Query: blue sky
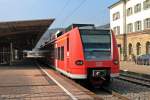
x: 91, y: 11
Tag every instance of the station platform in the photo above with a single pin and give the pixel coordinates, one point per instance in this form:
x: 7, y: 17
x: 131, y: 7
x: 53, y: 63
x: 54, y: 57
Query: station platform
x: 132, y: 67
x: 29, y: 82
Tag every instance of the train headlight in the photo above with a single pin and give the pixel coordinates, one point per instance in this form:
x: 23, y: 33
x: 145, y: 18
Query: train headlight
x: 79, y: 62
x: 116, y: 62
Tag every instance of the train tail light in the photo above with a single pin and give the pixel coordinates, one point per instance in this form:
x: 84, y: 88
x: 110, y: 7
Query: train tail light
x: 79, y: 62
x: 116, y: 61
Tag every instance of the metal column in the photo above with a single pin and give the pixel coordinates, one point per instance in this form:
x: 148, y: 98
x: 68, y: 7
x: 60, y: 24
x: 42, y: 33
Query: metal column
x: 11, y: 53
x: 124, y: 32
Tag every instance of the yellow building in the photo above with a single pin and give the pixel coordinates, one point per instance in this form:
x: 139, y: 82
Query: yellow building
x: 138, y: 43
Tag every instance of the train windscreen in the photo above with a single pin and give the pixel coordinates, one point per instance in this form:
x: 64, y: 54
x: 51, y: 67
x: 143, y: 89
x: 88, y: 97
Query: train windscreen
x: 96, y: 44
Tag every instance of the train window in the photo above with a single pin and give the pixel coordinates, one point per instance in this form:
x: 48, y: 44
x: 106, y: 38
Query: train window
x: 62, y: 53
x: 68, y: 44
x: 58, y: 53
x: 96, y: 44
x: 96, y: 39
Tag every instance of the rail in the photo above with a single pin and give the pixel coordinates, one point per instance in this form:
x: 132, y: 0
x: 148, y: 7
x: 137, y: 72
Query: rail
x: 115, y: 93
x: 135, y: 79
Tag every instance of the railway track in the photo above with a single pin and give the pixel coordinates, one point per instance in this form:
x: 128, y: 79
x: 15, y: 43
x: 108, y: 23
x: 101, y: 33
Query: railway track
x: 105, y: 92
x: 121, y: 91
x: 126, y: 90
x: 115, y: 93
x: 135, y: 79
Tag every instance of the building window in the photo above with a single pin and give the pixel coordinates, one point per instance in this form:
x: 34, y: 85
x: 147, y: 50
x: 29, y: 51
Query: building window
x: 116, y: 16
x: 147, y: 23
x: 130, y: 28
x: 137, y: 8
x: 138, y: 48
x: 147, y: 47
x: 146, y: 4
x: 129, y: 11
x: 130, y: 49
x: 138, y: 26
x: 116, y: 30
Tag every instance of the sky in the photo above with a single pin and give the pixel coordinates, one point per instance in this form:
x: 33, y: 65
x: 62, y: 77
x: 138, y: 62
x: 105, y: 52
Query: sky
x: 65, y: 12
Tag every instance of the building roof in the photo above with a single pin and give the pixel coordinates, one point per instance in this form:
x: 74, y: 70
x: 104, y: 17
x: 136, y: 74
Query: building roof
x: 20, y: 27
x: 21, y: 31
x: 115, y: 4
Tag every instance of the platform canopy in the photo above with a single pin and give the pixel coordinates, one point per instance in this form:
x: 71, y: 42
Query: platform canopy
x: 17, y: 36
x: 23, y: 34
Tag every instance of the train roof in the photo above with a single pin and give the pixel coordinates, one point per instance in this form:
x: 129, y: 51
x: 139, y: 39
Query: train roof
x: 80, y: 26
x: 72, y: 26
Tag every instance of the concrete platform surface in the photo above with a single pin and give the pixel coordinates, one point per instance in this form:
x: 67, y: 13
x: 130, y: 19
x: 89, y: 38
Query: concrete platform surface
x: 132, y: 67
x: 30, y: 83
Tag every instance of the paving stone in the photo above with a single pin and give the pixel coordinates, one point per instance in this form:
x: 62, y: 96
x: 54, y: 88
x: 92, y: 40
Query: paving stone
x: 24, y: 83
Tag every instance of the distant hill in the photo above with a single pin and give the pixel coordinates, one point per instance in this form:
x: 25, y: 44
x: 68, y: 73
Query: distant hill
x: 46, y: 36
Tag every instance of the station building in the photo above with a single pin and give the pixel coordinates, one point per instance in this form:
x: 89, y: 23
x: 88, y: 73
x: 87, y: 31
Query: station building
x: 17, y: 36
x: 130, y: 20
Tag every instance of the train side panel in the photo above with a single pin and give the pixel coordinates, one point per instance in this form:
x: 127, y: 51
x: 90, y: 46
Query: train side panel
x: 76, y: 55
x: 59, y: 51
x: 115, y: 60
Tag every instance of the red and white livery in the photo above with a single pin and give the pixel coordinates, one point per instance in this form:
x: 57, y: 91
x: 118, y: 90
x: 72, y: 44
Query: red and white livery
x: 83, y: 52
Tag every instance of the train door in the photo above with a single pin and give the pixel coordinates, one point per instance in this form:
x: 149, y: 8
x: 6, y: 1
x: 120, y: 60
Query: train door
x: 60, y: 61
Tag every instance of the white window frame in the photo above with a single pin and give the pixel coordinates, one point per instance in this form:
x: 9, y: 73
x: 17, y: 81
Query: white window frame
x: 146, y: 4
x: 137, y: 8
x: 116, y: 16
x: 147, y: 23
x: 129, y: 11
x: 138, y: 26
x: 130, y: 28
x: 116, y: 30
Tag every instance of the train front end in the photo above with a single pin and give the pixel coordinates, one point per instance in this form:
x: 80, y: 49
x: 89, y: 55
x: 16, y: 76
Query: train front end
x: 101, y: 59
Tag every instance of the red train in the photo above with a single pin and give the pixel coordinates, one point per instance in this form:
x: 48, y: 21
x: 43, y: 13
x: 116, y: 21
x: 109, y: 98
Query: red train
x: 83, y: 52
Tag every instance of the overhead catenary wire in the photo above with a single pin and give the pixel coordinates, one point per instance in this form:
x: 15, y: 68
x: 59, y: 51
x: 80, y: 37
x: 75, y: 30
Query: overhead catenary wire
x: 64, y: 7
x: 74, y: 11
x: 62, y: 10
x: 59, y: 15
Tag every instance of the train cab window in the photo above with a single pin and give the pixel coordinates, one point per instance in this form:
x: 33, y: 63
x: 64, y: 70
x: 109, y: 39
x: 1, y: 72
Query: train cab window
x: 96, y: 44
x: 62, y: 53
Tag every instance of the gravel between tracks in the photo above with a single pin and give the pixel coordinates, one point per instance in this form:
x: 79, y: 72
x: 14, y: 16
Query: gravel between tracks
x: 127, y: 89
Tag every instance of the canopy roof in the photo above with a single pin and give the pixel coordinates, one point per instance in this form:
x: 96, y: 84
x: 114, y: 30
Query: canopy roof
x: 22, y: 33
x: 20, y: 27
